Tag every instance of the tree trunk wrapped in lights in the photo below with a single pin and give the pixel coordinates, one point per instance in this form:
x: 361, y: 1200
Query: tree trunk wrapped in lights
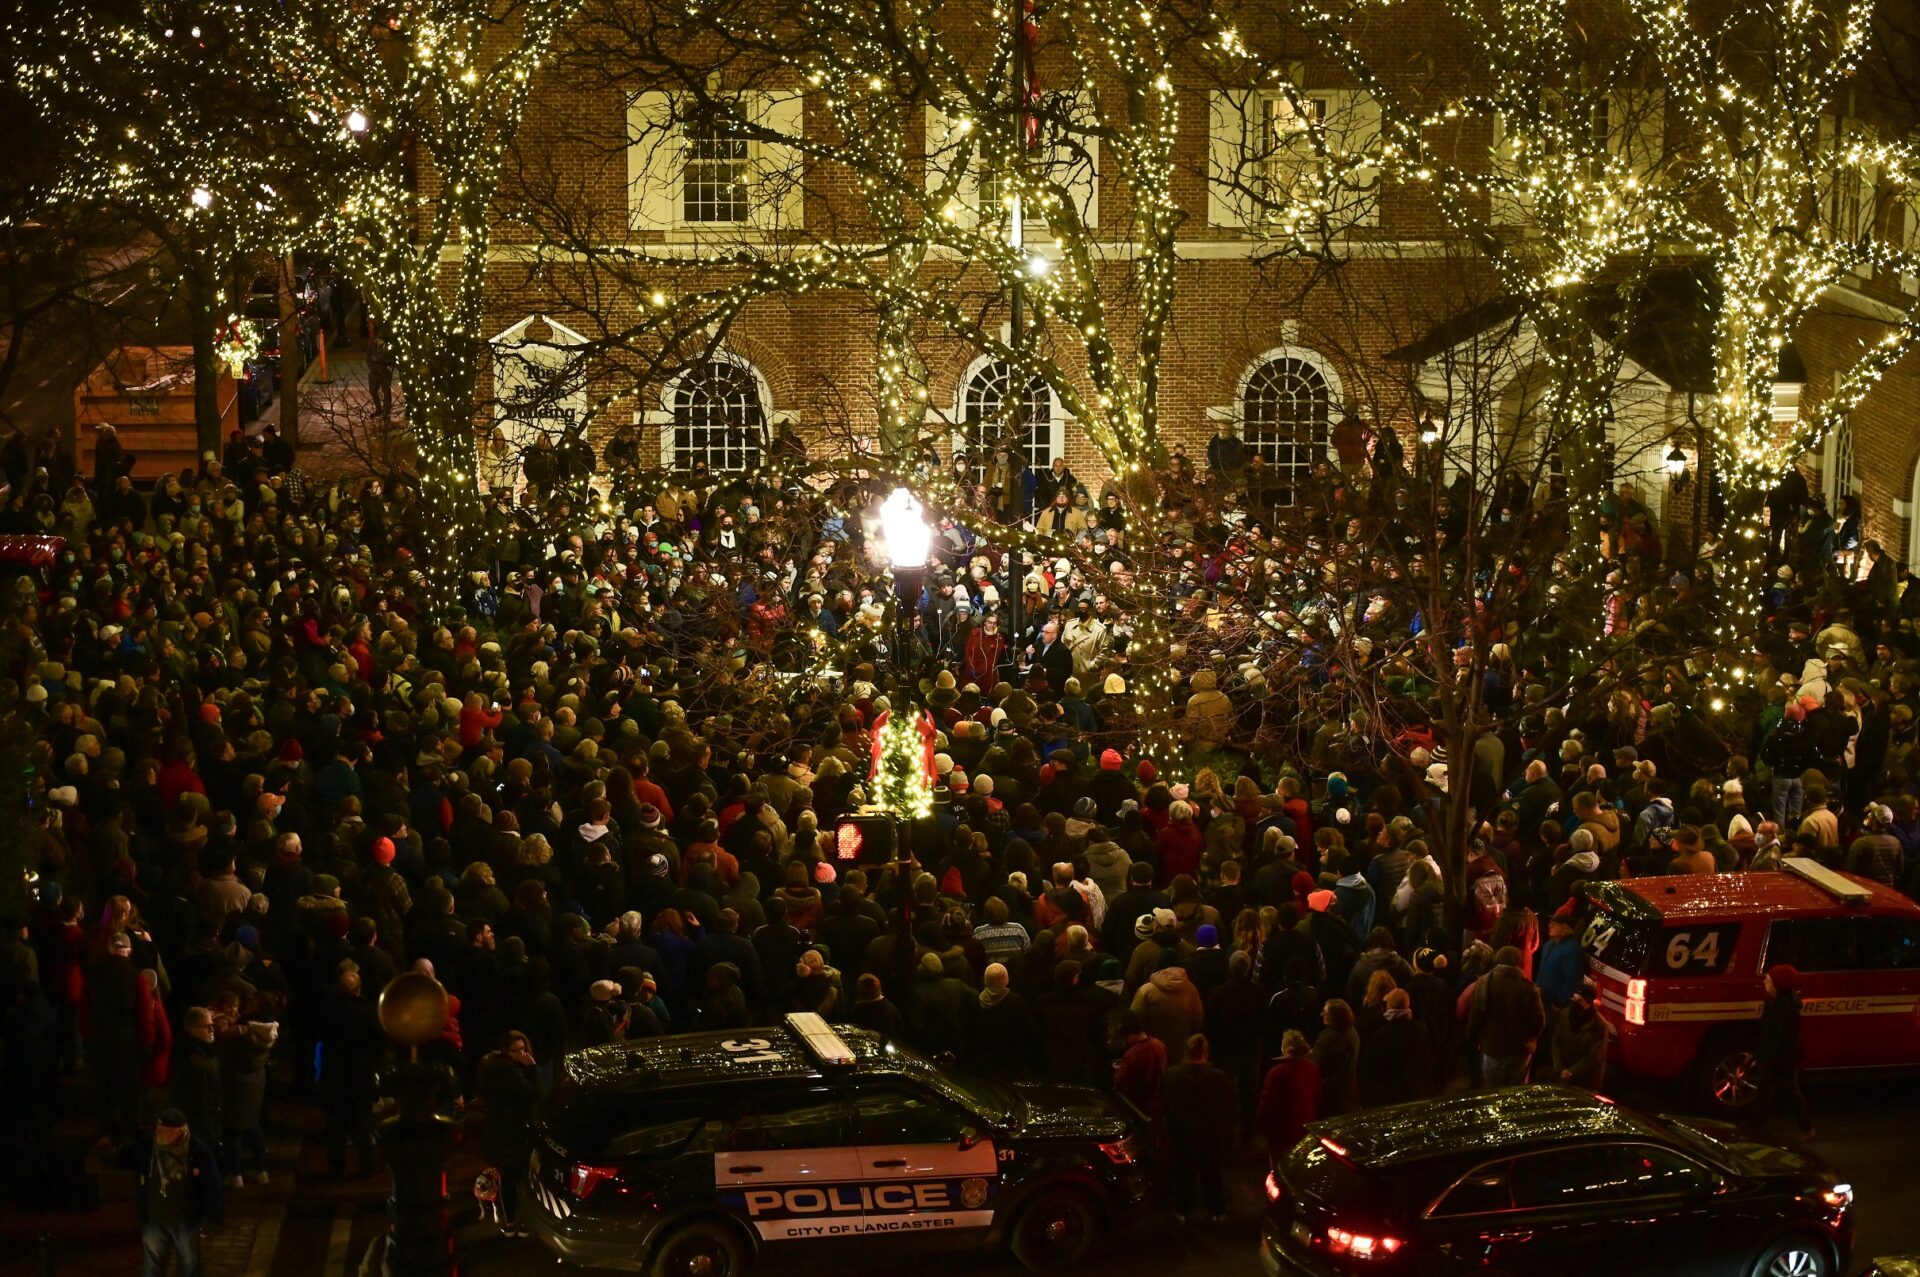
x: 411, y: 119
x: 162, y: 123
x: 1781, y: 185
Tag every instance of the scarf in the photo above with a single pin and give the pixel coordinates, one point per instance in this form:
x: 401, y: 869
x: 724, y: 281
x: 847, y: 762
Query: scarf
x: 169, y: 1168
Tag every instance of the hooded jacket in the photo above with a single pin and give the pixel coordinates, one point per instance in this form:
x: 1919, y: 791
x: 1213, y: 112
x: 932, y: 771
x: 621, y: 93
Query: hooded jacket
x: 1353, y: 898
x: 1581, y: 864
x: 1107, y: 865
x: 1170, y: 1008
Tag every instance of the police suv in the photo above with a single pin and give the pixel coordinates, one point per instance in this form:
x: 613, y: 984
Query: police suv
x: 690, y: 1155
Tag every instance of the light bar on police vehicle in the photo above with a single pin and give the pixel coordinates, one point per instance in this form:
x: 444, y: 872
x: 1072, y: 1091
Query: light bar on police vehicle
x: 820, y: 1041
x: 1841, y: 888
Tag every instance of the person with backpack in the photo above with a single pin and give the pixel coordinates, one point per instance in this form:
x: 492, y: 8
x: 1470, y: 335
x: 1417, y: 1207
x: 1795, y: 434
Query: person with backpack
x: 1486, y: 894
x: 1653, y: 829
x: 1505, y: 1017
x: 1788, y: 752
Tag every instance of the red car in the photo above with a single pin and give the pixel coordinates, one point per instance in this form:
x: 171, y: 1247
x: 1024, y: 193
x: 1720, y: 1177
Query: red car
x: 1679, y: 961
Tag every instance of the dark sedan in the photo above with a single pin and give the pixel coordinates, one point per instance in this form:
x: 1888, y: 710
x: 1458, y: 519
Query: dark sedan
x: 1549, y: 1180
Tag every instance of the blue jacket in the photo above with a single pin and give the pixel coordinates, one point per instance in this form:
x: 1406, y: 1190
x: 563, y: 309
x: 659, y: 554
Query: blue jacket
x: 1558, y: 972
x: 1353, y: 897
x: 203, y: 1203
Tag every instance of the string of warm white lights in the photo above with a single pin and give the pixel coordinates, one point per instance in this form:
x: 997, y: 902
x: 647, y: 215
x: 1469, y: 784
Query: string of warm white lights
x: 412, y: 117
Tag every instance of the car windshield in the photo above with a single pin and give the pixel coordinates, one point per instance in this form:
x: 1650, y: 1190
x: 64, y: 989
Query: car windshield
x: 989, y: 1099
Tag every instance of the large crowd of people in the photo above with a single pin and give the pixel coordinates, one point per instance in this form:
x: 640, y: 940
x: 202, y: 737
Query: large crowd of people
x: 596, y: 799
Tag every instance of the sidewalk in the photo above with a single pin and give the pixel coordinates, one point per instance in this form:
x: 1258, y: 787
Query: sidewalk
x: 338, y: 428
x: 107, y: 1240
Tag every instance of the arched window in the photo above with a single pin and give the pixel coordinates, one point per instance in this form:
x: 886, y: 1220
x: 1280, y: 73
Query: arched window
x: 718, y: 417
x: 1285, y: 414
x: 987, y: 419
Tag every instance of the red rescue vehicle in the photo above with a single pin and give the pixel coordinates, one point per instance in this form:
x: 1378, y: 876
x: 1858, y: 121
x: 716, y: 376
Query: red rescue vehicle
x: 1679, y: 963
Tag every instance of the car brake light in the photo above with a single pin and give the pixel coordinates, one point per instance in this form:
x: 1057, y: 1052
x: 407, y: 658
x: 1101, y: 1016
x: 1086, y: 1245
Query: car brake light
x: 587, y: 1176
x: 1273, y: 1187
x: 1119, y: 1152
x: 1635, y: 1010
x: 1333, y: 1146
x: 1360, y: 1245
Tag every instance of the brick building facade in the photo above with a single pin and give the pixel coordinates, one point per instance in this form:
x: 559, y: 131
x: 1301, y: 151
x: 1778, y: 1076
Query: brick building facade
x: 1279, y: 347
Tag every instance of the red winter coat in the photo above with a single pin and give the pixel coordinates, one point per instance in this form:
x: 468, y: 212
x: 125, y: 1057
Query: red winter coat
x: 66, y: 974
x: 1141, y: 1075
x: 1179, y: 846
x: 645, y: 791
x: 177, y: 778
x: 155, y: 1034
x: 983, y: 656
x: 1291, y: 1097
x: 475, y: 723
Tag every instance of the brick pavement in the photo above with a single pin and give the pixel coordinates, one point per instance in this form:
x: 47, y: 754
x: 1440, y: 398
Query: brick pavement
x: 302, y: 1223
x: 339, y: 431
x: 107, y: 1240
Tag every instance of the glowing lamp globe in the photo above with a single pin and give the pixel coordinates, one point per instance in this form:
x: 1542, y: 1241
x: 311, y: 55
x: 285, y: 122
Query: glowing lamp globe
x: 904, y: 531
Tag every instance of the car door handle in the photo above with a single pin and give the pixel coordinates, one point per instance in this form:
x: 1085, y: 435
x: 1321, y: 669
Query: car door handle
x: 1511, y: 1237
x: 745, y: 1170
x: 891, y: 1163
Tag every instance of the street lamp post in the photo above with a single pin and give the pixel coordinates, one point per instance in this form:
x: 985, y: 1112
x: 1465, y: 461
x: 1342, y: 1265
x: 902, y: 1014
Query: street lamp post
x: 905, y: 540
x: 417, y: 1139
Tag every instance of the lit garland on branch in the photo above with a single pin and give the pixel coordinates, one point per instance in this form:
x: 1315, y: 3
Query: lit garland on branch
x: 158, y: 120
x: 1769, y: 157
x: 434, y: 92
x: 1557, y: 206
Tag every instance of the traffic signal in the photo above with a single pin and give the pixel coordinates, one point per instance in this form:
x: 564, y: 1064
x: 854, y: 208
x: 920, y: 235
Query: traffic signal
x: 867, y: 838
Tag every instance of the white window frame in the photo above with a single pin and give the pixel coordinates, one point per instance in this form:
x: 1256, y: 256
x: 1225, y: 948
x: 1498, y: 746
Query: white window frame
x: 659, y: 149
x: 958, y: 426
x: 1839, y: 471
x: 1631, y: 123
x: 948, y: 138
x: 1909, y: 243
x: 667, y: 420
x: 1336, y: 399
x: 1281, y: 169
x: 720, y: 172
x: 1239, y: 154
